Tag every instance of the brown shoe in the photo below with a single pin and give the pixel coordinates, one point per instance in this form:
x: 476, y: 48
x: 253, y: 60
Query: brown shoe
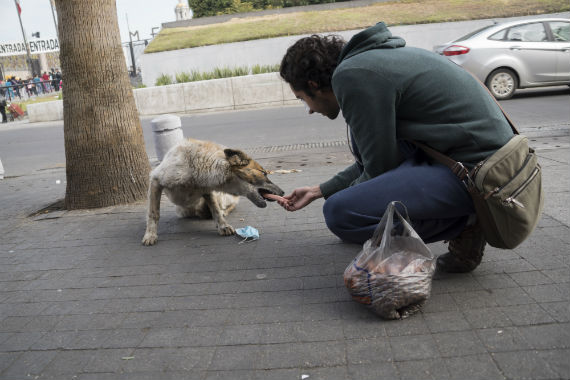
x: 465, y: 251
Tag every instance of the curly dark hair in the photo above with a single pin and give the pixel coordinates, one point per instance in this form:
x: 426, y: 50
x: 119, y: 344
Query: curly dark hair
x: 311, y: 58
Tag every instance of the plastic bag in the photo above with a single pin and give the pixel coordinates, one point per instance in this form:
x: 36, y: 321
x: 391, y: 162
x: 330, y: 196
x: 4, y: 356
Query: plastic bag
x: 392, y: 274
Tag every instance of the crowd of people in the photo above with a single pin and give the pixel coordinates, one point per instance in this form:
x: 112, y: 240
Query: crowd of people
x: 15, y: 87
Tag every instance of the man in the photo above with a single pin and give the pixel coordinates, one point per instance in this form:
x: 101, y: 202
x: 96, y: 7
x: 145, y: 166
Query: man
x: 390, y: 94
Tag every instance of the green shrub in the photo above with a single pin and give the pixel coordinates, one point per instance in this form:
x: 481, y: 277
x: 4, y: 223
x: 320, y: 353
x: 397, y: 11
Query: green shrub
x: 163, y: 80
x: 260, y: 69
x: 207, y: 76
x: 183, y: 77
x: 240, y: 71
x: 222, y: 72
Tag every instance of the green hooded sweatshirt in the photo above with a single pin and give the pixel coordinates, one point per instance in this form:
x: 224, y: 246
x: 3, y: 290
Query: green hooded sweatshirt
x: 389, y: 92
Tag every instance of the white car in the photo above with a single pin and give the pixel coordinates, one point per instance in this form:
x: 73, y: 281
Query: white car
x: 517, y: 54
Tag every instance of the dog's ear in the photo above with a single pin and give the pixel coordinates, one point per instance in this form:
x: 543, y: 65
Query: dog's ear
x: 236, y: 157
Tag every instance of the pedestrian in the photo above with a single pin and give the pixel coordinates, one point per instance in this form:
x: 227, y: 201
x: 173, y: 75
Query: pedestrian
x: 57, y: 77
x: 38, y: 84
x: 3, y: 104
x: 389, y: 94
x: 28, y: 83
x: 9, y: 88
x: 45, y: 82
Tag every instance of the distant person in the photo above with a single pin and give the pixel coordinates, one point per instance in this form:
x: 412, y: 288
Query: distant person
x: 17, y: 87
x: 390, y: 94
x: 57, y: 77
x: 45, y: 82
x: 3, y: 103
x: 9, y: 88
x: 29, y: 85
x: 38, y: 83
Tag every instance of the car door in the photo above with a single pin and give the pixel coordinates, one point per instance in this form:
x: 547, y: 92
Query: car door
x: 560, y: 31
x: 528, y: 44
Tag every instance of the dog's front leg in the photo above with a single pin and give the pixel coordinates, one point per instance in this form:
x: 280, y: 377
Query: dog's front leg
x: 224, y: 228
x: 153, y: 213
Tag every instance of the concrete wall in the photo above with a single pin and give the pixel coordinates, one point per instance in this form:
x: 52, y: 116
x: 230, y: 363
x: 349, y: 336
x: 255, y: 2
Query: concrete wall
x: 249, y: 91
x: 46, y: 111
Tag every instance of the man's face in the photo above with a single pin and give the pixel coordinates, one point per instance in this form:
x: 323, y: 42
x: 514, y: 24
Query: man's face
x: 323, y: 102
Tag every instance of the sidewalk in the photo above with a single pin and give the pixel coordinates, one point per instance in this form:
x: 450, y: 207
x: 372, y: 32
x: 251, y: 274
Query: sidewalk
x: 81, y: 298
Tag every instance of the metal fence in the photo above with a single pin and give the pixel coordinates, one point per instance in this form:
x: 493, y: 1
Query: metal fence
x: 27, y: 90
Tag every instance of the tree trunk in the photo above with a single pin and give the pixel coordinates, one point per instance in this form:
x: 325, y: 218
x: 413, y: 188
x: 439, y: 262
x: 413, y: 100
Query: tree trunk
x: 106, y: 160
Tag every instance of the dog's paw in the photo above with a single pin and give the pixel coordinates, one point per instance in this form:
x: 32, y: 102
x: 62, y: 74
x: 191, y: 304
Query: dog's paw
x: 226, y: 230
x: 150, y: 239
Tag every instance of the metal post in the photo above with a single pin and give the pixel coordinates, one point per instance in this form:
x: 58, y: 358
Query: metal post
x: 54, y: 18
x: 134, y: 73
x: 25, y: 40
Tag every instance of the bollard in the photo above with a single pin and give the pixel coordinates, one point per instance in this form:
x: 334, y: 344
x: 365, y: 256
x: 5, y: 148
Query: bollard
x: 1, y: 170
x: 167, y: 133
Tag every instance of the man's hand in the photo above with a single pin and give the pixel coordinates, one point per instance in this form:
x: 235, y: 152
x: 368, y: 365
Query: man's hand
x: 301, y: 197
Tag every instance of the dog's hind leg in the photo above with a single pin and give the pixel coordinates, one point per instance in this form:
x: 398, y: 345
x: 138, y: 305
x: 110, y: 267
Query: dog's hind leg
x: 153, y: 212
x: 223, y: 227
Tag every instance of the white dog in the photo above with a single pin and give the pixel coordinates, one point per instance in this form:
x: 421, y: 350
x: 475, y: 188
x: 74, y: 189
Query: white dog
x: 204, y: 179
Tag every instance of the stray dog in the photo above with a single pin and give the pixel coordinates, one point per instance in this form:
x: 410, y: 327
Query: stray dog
x: 204, y: 179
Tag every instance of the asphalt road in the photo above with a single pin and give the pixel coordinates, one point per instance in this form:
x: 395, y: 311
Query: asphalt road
x: 27, y: 148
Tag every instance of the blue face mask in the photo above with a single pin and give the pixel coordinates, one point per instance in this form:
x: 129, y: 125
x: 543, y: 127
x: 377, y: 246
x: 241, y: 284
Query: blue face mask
x: 248, y: 233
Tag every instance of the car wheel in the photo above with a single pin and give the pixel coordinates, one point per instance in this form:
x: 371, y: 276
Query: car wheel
x: 502, y: 83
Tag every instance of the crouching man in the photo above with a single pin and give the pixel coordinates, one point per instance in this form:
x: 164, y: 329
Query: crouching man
x: 389, y: 94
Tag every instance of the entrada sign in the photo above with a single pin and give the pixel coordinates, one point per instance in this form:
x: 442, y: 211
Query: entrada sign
x: 37, y: 46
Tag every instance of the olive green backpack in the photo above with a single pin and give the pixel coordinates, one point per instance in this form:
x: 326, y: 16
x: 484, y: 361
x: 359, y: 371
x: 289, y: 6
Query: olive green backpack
x: 506, y: 189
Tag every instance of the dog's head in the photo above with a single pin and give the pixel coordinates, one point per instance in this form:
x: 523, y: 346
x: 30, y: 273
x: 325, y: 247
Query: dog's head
x: 249, y: 178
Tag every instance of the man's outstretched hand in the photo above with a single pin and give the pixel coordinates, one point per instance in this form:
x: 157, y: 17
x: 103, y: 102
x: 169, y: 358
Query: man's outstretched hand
x: 301, y: 197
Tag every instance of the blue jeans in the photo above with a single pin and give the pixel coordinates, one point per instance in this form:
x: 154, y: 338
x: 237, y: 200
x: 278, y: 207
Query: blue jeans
x: 437, y: 201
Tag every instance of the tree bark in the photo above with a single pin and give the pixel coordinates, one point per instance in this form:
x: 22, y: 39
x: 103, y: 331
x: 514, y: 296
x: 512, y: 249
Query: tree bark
x: 106, y: 160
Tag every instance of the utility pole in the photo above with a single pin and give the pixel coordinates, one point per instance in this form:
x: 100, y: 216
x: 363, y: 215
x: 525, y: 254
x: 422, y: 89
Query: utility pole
x: 136, y: 34
x: 29, y: 59
x: 54, y: 18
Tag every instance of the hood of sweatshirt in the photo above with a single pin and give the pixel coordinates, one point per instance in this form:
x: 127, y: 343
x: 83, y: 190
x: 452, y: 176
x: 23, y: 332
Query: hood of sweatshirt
x: 375, y: 37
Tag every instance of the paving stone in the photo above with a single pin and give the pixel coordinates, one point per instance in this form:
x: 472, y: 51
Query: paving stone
x: 523, y: 315
x: 523, y: 365
x: 368, y: 351
x: 20, y: 341
x: 557, y: 361
x: 307, y: 355
x: 502, y: 339
x: 546, y: 293
x: 487, y: 317
x: 547, y: 336
x: 560, y: 311
x: 446, y: 321
x: 473, y: 367
x: 108, y: 360
x: 432, y: 369
x: 29, y: 364
x: 69, y: 363
x: 413, y: 347
x: 235, y: 358
x: 459, y: 343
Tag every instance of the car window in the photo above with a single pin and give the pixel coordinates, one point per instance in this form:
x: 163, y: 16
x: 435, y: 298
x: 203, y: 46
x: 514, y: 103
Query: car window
x: 499, y: 35
x: 560, y: 30
x: 527, y: 33
x: 474, y: 33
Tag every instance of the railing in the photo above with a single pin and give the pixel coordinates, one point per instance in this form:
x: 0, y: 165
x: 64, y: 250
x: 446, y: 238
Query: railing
x: 29, y: 90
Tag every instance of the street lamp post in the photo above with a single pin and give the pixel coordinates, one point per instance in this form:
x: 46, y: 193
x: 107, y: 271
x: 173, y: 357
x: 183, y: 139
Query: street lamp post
x: 54, y: 18
x: 29, y: 55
